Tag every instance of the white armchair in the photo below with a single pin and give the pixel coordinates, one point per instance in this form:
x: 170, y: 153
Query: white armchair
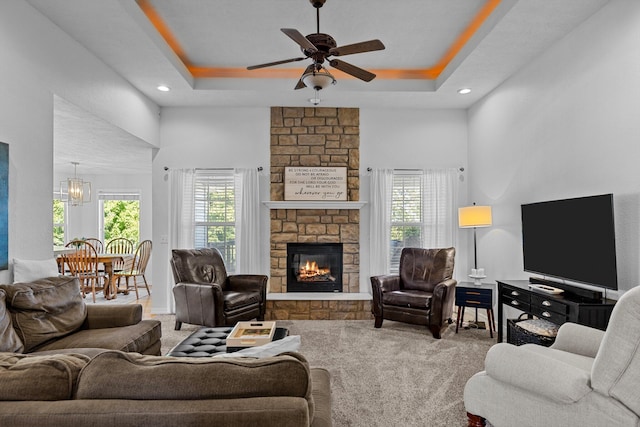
x: 587, y: 377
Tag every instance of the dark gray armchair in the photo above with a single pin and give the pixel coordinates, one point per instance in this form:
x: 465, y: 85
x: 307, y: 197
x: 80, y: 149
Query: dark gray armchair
x: 423, y: 293
x: 205, y: 295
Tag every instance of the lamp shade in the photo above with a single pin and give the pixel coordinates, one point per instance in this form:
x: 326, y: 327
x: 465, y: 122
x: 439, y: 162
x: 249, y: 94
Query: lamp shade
x: 474, y: 216
x: 318, y: 79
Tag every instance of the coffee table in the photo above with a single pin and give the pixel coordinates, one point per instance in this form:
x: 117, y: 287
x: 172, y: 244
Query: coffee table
x: 207, y: 342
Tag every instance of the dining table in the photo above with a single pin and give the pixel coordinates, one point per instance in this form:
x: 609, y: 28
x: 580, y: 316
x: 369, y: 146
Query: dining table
x: 108, y: 260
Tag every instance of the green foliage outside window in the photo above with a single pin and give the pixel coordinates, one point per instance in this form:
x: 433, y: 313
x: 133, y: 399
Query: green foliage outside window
x: 121, y: 219
x: 58, y: 223
x: 215, y: 216
x: 406, y: 215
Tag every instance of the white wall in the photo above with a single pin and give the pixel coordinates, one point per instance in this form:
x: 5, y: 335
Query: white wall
x: 567, y: 125
x: 240, y: 137
x: 201, y: 138
x: 84, y: 221
x: 39, y: 60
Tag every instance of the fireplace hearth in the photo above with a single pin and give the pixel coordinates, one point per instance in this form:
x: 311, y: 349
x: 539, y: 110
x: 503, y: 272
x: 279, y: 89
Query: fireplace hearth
x: 314, y: 267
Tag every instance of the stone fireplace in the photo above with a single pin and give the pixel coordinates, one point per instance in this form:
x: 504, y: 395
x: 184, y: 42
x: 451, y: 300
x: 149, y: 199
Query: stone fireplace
x: 315, y: 137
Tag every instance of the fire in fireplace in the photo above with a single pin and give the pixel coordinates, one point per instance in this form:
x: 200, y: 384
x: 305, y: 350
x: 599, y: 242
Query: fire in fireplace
x: 314, y: 267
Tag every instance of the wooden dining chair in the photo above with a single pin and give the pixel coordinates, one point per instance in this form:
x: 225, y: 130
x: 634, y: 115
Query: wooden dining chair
x: 96, y: 243
x: 136, y: 268
x: 119, y: 245
x: 83, y: 263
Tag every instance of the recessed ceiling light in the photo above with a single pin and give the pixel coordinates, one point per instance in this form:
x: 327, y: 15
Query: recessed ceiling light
x: 164, y: 88
x: 464, y: 91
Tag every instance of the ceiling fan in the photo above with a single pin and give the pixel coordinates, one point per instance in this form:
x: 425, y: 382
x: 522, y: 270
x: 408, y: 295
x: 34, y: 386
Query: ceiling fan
x: 320, y: 47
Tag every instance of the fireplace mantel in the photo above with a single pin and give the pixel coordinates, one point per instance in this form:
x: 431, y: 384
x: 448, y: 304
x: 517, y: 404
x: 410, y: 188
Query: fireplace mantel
x: 319, y: 296
x: 313, y: 205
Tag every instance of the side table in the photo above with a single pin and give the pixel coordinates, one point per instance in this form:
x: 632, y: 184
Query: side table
x: 470, y: 295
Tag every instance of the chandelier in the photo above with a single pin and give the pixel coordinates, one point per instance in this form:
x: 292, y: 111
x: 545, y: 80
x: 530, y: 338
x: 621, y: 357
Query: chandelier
x: 77, y: 190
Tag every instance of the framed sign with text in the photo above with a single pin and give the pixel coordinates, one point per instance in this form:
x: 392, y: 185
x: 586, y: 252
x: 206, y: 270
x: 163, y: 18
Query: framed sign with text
x: 315, y: 183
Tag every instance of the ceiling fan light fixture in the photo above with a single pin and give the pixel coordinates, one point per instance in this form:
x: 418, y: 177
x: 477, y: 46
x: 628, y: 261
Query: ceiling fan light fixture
x: 318, y: 80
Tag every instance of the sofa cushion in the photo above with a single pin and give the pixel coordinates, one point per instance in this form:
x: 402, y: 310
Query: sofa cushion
x: 29, y: 377
x: 136, y: 338
x: 119, y: 375
x: 9, y: 339
x: 26, y: 270
x: 45, y: 309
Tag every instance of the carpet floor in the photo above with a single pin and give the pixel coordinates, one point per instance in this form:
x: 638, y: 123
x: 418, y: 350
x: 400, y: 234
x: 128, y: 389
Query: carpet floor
x: 397, y: 375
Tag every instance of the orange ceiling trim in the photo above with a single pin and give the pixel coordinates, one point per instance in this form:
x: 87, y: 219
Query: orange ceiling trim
x: 281, y: 73
x: 465, y: 36
x: 287, y: 73
x: 162, y: 28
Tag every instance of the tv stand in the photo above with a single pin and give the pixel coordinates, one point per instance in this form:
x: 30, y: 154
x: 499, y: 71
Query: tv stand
x: 575, y: 304
x: 587, y: 294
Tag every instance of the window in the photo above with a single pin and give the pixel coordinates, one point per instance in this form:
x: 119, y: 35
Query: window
x: 120, y: 215
x: 422, y: 211
x: 215, y: 218
x: 59, y: 220
x: 406, y: 214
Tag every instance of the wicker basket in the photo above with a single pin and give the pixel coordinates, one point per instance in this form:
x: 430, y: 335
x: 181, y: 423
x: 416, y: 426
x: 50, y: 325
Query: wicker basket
x: 518, y: 336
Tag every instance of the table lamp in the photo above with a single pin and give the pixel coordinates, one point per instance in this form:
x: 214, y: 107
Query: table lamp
x: 474, y: 217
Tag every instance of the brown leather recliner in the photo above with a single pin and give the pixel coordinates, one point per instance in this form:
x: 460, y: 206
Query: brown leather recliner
x: 423, y: 293
x: 206, y: 295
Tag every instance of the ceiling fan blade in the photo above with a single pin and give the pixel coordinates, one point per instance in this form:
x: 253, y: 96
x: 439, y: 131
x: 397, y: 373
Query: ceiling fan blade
x: 353, y: 70
x: 361, y: 47
x: 297, y: 37
x: 300, y: 84
x: 269, y: 64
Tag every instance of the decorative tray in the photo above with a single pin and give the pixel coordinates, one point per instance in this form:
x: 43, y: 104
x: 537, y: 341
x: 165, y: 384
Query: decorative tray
x: 547, y: 289
x: 250, y: 334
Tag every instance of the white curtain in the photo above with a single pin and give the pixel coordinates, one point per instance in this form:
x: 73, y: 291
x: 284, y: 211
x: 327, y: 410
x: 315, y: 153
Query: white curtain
x: 439, y: 200
x: 248, y: 258
x: 181, y: 208
x: 181, y: 217
x: 439, y: 208
x: 380, y: 221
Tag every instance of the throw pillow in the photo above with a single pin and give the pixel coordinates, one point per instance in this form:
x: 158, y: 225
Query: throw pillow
x: 25, y: 270
x: 9, y: 340
x: 28, y: 377
x: 45, y: 309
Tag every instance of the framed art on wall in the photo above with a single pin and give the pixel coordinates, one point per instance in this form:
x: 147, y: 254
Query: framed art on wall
x: 4, y: 206
x: 315, y: 183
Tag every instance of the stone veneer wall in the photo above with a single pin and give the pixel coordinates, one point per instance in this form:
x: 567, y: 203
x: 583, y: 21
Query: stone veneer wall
x: 326, y: 137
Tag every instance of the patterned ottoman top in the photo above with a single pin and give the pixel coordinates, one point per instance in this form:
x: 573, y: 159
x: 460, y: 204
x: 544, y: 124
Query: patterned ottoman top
x: 204, y: 342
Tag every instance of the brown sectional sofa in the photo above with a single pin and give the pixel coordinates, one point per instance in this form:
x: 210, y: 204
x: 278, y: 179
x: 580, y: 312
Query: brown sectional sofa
x: 66, y: 363
x: 50, y: 314
x: 128, y: 389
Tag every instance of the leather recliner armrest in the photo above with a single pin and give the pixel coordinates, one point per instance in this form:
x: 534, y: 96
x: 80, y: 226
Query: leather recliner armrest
x: 112, y: 315
x: 443, y: 297
x: 246, y: 282
x: 379, y: 285
x: 386, y: 283
x: 209, y: 309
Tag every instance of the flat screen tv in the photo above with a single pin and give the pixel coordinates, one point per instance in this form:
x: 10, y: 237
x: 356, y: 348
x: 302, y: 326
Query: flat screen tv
x: 572, y: 239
